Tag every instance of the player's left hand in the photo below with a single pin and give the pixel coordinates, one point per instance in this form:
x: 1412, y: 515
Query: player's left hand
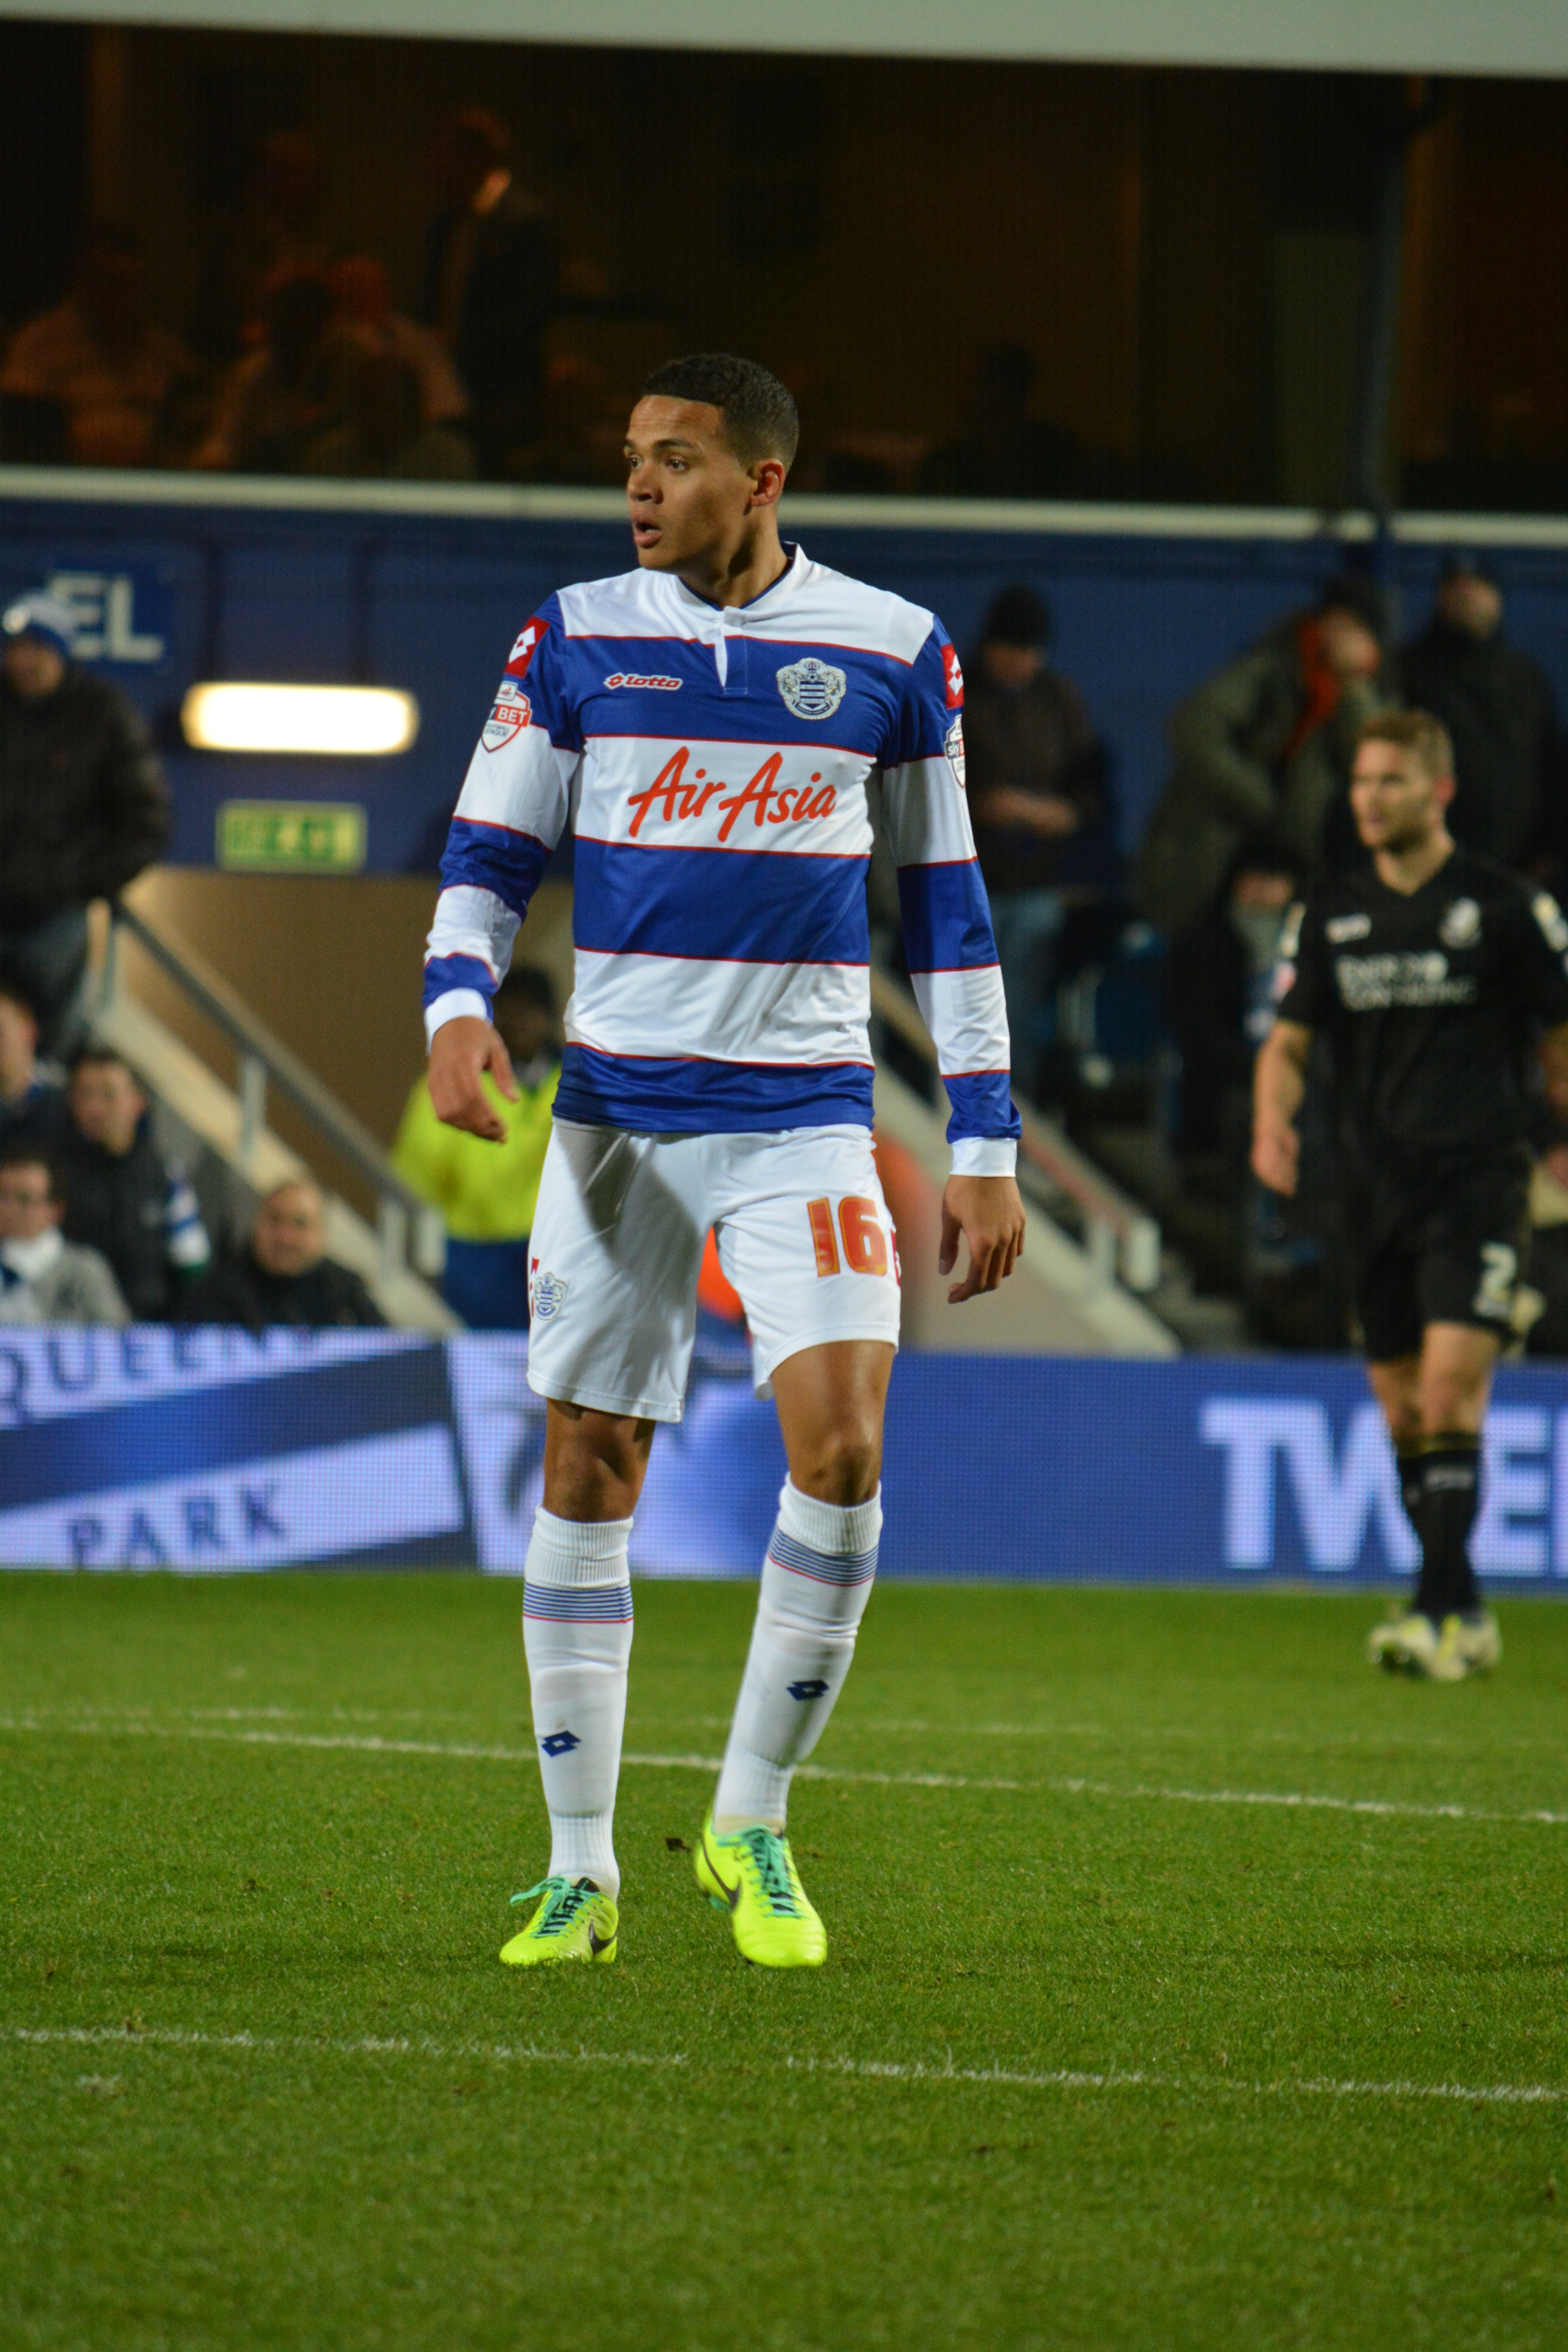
x: 988, y: 1212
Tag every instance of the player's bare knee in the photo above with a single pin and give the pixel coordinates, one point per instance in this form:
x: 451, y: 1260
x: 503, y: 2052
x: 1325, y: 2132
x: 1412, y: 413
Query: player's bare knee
x: 841, y: 1465
x: 594, y: 1463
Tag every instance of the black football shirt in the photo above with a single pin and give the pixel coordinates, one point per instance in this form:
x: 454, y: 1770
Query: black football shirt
x: 1431, y: 1001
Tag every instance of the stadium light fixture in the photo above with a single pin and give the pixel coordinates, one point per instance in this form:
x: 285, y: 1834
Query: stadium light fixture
x: 351, y: 721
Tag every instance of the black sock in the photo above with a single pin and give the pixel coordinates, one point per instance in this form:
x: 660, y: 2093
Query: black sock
x: 1411, y: 1463
x: 1445, y: 1514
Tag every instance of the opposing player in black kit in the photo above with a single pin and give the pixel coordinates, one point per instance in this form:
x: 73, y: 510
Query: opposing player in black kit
x: 1435, y: 975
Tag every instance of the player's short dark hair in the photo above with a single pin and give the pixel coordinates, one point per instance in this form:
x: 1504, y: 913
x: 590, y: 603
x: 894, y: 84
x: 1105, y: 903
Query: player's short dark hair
x: 1413, y: 731
x: 527, y: 983
x: 759, y: 416
x: 32, y: 1155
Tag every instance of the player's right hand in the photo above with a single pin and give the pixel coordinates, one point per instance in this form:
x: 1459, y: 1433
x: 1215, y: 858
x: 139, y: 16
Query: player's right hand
x: 463, y: 1051
x: 1276, y: 1158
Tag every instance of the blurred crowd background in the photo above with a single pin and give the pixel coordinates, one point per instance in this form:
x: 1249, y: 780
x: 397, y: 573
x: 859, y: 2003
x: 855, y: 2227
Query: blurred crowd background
x: 444, y: 260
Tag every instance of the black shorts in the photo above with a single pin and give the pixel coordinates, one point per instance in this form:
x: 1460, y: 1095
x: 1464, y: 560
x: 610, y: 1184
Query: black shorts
x: 1448, y: 1249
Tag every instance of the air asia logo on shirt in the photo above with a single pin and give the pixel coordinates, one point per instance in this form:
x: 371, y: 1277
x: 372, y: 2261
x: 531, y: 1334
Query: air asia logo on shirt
x: 953, y: 744
x: 811, y: 689
x: 677, y: 795
x: 954, y: 676
x: 510, y: 715
x: 1462, y: 925
x: 658, y: 685
x: 527, y: 646
x: 1339, y: 929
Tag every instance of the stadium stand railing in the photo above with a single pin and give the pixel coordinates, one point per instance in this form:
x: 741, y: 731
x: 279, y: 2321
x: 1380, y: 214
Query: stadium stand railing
x: 403, y: 1247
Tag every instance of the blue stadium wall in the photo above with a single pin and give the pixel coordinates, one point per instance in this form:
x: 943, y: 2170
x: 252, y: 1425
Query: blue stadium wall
x: 207, y: 1450
x: 354, y: 586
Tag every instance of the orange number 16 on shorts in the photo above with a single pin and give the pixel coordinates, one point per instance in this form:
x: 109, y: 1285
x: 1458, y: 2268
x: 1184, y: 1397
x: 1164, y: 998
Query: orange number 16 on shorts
x: 865, y: 1243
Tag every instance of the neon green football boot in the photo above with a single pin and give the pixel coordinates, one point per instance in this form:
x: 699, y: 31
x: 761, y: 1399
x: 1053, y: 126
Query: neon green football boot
x: 574, y: 1922
x: 752, y: 1875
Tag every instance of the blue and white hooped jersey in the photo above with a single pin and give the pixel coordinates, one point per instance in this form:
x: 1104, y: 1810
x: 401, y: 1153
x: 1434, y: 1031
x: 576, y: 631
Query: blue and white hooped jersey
x: 713, y: 763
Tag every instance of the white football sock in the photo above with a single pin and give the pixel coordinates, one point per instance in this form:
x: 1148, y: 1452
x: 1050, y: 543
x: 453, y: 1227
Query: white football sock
x: 577, y: 1637
x: 817, y: 1580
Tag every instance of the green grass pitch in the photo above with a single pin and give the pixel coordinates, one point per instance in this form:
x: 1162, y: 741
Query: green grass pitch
x: 1106, y: 2053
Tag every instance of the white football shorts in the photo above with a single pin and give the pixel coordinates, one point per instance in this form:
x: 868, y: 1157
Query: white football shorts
x: 803, y: 1231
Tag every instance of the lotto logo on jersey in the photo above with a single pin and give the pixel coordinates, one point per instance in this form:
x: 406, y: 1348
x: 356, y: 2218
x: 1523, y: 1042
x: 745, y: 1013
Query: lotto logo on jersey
x: 954, y: 678
x: 528, y: 644
x: 509, y: 714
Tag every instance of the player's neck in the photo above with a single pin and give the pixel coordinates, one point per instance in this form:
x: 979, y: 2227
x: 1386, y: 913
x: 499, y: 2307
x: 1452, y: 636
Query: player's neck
x: 1409, y: 870
x: 740, y: 574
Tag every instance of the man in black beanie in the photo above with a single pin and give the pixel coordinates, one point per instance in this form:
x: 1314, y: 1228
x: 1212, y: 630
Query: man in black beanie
x: 1497, y: 705
x: 1032, y: 766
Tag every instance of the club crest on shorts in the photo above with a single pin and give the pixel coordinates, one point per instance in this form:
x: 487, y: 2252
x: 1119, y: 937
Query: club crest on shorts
x: 1462, y: 925
x: 811, y: 689
x: 953, y: 744
x: 509, y: 714
x: 549, y: 1296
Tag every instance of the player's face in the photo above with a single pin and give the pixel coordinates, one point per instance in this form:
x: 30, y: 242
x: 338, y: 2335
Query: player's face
x: 1397, y: 806
x: 689, y: 493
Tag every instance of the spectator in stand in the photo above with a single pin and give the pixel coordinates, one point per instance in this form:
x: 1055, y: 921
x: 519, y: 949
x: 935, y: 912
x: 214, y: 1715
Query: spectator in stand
x: 123, y: 1197
x: 91, y: 381
x: 364, y: 322
x: 44, y: 1279
x: 1003, y: 451
x: 276, y: 400
x: 384, y: 439
x: 1033, y: 768
x: 283, y: 1274
x: 82, y: 807
x: 486, y: 1191
x: 275, y: 234
x: 1498, y: 707
x: 1219, y: 997
x: 1266, y: 745
x: 490, y: 279
x: 32, y: 1100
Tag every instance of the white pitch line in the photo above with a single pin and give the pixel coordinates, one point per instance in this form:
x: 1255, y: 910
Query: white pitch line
x: 1064, y: 2078
x: 374, y: 1744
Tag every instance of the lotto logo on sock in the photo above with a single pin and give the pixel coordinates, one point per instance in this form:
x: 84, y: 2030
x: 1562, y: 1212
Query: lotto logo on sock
x: 808, y: 1690
x: 560, y: 1743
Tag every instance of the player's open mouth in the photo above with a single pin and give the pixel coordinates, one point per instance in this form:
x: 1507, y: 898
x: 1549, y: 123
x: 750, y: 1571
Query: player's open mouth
x: 644, y: 534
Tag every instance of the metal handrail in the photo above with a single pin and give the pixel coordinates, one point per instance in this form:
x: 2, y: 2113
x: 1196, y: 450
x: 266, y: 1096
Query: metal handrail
x: 264, y: 1058
x: 1121, y: 1234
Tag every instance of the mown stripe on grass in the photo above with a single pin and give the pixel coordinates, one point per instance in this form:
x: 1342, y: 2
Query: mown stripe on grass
x: 1064, y: 2078
x: 375, y: 1744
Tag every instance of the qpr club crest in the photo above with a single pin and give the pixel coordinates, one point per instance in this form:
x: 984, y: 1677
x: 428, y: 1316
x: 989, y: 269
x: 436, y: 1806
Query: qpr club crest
x: 508, y: 716
x: 811, y: 689
x: 953, y: 744
x: 549, y: 1296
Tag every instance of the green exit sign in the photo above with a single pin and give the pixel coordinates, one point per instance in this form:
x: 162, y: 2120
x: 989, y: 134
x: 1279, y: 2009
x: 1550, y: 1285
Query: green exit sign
x: 290, y: 836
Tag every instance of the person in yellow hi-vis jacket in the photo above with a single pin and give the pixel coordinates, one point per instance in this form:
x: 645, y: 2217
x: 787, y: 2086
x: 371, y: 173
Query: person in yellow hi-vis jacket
x: 486, y: 1191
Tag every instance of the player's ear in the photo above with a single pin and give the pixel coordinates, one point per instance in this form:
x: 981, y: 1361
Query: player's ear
x: 1443, y: 790
x: 767, y: 478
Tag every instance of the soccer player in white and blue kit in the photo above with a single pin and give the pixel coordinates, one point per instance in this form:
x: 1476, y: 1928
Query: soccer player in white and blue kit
x: 708, y: 724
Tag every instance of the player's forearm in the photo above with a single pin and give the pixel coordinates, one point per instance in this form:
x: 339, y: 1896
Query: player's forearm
x: 1279, y: 1079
